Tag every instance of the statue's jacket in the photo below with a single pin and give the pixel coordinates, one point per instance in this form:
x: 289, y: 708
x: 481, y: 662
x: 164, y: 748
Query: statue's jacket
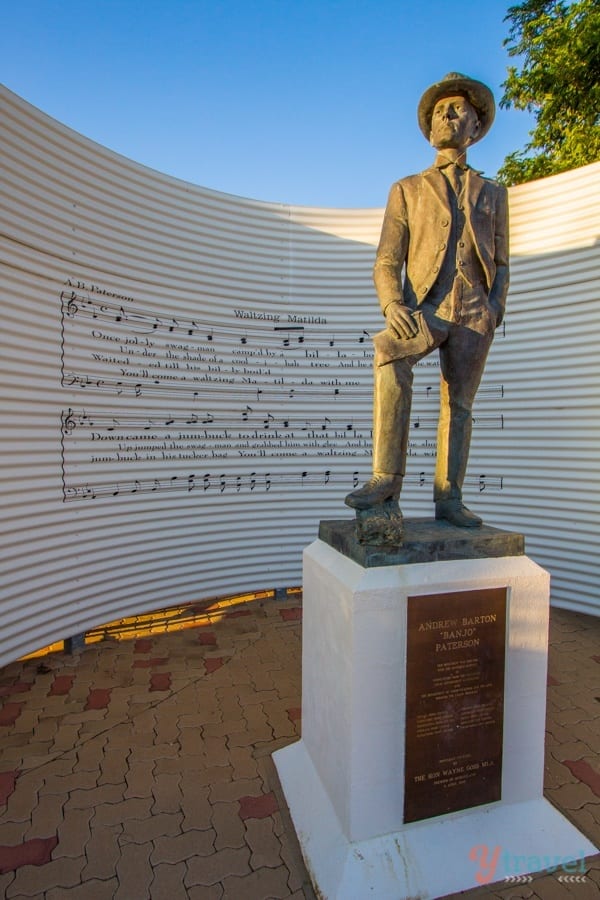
x: 415, y: 236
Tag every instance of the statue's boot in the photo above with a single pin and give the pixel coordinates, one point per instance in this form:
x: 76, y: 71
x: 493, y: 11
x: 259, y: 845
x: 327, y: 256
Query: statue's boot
x: 455, y: 512
x: 378, y: 489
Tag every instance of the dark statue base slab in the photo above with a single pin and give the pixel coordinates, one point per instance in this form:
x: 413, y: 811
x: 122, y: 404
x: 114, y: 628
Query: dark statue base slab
x: 424, y: 540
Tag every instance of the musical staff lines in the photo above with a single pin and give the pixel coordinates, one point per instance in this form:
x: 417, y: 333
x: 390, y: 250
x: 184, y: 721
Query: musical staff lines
x: 259, y: 392
x: 254, y: 482
x: 145, y: 322
x: 247, y: 420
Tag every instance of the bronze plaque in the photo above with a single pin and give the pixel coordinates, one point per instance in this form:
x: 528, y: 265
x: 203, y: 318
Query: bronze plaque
x: 454, y: 701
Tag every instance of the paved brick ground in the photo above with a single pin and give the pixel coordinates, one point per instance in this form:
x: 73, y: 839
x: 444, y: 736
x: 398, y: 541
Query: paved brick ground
x: 140, y: 769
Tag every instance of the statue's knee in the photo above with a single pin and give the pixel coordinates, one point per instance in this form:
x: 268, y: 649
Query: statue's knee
x: 461, y: 413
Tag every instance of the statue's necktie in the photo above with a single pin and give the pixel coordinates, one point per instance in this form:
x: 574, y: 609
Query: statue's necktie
x: 456, y: 176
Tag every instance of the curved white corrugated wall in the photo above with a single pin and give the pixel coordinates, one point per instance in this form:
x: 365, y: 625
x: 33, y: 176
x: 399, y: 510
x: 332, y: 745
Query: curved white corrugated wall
x: 187, y: 385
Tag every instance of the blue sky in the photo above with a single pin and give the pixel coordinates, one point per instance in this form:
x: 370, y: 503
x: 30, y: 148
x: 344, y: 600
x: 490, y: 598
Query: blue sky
x: 293, y: 101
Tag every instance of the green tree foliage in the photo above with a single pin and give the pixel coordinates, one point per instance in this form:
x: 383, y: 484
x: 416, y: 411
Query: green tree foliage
x: 557, y: 45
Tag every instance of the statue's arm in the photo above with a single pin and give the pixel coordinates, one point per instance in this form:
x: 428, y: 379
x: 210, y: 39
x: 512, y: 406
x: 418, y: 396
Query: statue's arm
x: 499, y: 287
x: 389, y: 262
x: 392, y: 249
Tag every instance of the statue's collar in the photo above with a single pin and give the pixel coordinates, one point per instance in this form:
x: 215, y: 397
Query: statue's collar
x: 442, y: 162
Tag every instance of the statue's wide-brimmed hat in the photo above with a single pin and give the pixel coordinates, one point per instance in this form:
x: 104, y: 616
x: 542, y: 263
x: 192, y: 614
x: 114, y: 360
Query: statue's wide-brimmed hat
x: 477, y: 93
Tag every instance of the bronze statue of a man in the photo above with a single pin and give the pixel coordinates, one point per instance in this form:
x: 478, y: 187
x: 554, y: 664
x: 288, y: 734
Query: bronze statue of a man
x: 441, y: 276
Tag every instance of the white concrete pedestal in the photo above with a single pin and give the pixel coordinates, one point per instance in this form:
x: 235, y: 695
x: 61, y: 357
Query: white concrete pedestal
x: 344, y: 781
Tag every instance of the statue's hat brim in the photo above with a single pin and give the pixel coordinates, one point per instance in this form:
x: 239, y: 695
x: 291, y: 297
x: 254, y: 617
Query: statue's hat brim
x: 477, y: 93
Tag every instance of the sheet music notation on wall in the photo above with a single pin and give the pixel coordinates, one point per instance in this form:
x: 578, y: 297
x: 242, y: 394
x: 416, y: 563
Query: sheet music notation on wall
x: 253, y: 482
x: 245, y: 387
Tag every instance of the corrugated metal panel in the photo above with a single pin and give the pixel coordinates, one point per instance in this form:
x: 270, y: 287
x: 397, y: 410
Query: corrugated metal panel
x: 549, y: 365
x: 187, y: 385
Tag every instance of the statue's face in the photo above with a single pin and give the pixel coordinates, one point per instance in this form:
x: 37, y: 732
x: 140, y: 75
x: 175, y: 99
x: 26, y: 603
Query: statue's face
x: 454, y: 123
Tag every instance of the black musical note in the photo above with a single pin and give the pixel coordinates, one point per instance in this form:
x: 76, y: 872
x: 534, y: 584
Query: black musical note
x: 481, y: 483
x: 268, y: 420
x: 191, y: 482
x: 327, y: 476
x: 268, y: 481
x: 245, y: 413
x: 355, y: 479
x: 361, y: 339
x: 209, y: 419
x: 222, y: 482
x: 288, y: 329
x: 252, y: 480
x: 206, y: 482
x: 238, y: 483
x: 421, y: 479
x: 326, y: 422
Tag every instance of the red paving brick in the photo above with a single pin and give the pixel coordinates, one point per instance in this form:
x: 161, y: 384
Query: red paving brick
x: 9, y: 713
x: 18, y: 687
x: 143, y: 645
x: 207, y: 638
x: 36, y: 852
x: 295, y: 713
x: 7, y: 784
x: 584, y: 772
x: 213, y: 663
x: 98, y: 698
x: 258, y: 807
x: 291, y: 615
x: 61, y: 685
x: 160, y: 681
